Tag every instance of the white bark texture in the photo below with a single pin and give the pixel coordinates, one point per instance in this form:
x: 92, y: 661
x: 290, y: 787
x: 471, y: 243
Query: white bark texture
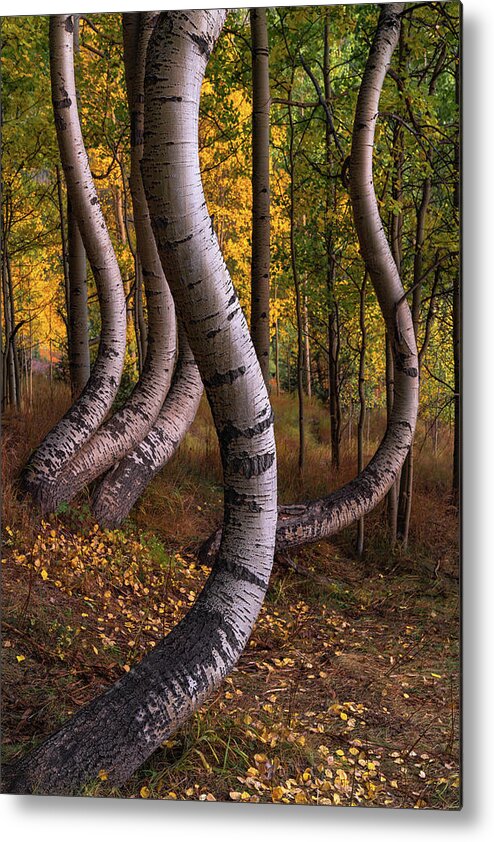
x: 129, y: 425
x: 120, y: 729
x: 77, y: 315
x: 261, y: 101
x: 312, y: 521
x: 43, y: 469
x: 357, y: 498
x: 119, y: 490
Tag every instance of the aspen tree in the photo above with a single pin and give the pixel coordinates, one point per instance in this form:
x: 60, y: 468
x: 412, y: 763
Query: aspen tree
x: 120, y: 729
x: 41, y: 474
x: 129, y: 425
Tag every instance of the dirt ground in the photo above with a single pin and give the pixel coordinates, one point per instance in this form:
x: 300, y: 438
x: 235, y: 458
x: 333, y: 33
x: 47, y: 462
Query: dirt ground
x: 347, y: 694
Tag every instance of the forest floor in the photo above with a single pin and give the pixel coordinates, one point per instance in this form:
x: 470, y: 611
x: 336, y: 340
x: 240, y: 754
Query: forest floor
x: 348, y: 692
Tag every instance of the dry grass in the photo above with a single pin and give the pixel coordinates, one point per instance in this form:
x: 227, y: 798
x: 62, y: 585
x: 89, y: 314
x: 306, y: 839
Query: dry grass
x: 22, y: 431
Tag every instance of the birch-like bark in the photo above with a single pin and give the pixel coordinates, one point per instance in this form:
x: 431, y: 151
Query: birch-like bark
x: 78, y: 319
x: 119, y: 490
x: 76, y: 292
x: 259, y: 327
x: 119, y: 435
x: 65, y: 256
x: 119, y: 730
x: 357, y: 498
x: 42, y: 472
x: 302, y: 524
x: 132, y: 41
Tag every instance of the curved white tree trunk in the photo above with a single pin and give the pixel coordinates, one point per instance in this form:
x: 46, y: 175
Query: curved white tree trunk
x: 304, y: 523
x: 119, y: 490
x: 120, y: 729
x: 77, y: 316
x: 323, y: 518
x: 132, y: 422
x: 42, y: 472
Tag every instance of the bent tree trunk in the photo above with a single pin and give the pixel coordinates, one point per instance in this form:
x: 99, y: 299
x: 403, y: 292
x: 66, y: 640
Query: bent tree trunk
x: 303, y: 524
x: 79, y: 359
x: 77, y: 291
x: 119, y: 490
x: 42, y: 472
x: 132, y: 423
x: 259, y: 320
x: 121, y: 728
x: 328, y: 516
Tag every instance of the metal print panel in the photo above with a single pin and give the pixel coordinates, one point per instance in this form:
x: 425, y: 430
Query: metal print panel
x: 231, y: 405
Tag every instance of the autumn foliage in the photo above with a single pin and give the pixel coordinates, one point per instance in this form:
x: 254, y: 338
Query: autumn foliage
x: 348, y: 690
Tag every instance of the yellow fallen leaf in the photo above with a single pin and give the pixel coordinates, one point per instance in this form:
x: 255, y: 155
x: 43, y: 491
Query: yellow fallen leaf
x: 103, y: 775
x: 277, y: 793
x: 145, y: 792
x: 44, y: 575
x: 301, y: 798
x: 20, y: 658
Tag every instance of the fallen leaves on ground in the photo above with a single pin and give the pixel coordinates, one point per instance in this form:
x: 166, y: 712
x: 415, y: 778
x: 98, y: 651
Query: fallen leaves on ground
x: 345, y: 695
